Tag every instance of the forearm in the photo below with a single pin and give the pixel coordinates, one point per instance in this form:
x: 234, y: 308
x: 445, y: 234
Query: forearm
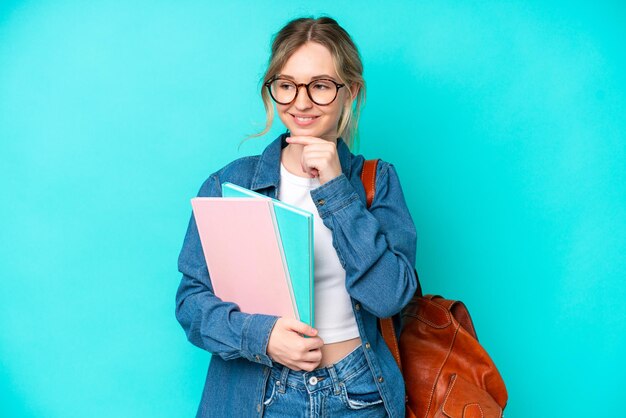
x: 379, y: 276
x: 377, y: 247
x: 220, y: 327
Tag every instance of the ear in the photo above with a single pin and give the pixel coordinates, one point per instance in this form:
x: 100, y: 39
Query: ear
x: 354, y: 91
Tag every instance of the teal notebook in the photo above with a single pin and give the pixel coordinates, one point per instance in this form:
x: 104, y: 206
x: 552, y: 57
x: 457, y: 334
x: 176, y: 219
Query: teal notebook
x: 296, y: 232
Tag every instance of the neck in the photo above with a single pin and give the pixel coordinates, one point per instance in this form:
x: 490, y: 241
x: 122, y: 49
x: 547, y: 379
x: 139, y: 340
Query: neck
x: 290, y: 157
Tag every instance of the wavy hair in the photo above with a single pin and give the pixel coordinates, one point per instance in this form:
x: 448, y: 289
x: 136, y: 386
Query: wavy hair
x: 327, y: 32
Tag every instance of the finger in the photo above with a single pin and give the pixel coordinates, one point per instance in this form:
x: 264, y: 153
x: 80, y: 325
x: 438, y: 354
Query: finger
x: 313, y: 356
x: 298, y: 365
x: 320, y: 146
x: 305, y: 140
x: 300, y: 327
x: 321, y: 155
x: 293, y: 366
x: 316, y: 157
x: 309, y: 168
x: 314, y: 164
x: 308, y: 366
x: 299, y: 353
x: 313, y: 343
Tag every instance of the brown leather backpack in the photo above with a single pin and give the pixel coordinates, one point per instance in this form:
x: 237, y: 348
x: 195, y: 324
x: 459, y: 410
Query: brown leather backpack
x: 447, y: 373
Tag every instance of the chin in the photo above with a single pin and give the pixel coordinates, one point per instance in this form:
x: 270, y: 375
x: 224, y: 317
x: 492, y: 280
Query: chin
x: 300, y: 131
x: 297, y: 131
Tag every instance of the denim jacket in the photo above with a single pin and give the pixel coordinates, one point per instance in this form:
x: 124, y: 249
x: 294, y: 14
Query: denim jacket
x: 376, y: 247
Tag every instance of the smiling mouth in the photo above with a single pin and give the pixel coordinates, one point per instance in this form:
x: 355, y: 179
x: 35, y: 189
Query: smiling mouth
x: 304, y: 120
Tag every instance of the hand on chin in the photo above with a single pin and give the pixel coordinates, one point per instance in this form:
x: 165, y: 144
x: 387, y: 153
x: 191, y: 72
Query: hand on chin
x: 311, y: 133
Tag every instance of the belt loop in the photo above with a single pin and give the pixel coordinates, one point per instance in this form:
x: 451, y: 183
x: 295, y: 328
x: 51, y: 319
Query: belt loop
x: 283, y: 380
x: 333, y: 376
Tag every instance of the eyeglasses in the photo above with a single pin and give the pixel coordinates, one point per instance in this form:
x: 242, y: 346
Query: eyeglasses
x: 322, y: 92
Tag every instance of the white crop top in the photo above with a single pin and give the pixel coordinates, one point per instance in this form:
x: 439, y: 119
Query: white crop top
x: 334, y: 318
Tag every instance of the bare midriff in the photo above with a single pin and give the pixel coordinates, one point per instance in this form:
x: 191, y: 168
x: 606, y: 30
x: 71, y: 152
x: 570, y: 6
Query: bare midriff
x: 332, y: 353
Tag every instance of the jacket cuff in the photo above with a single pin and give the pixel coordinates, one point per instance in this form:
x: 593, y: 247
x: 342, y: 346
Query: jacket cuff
x: 333, y: 195
x: 255, y: 337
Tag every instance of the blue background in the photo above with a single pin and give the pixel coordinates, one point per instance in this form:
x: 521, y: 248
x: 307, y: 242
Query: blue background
x: 505, y: 120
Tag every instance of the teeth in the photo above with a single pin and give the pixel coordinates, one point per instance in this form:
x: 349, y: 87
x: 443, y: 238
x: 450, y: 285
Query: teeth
x: 304, y: 119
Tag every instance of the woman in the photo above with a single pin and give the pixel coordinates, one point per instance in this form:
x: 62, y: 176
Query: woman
x: 278, y: 367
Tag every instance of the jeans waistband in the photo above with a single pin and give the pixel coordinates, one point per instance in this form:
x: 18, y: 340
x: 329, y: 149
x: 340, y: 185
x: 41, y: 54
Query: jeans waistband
x: 333, y: 375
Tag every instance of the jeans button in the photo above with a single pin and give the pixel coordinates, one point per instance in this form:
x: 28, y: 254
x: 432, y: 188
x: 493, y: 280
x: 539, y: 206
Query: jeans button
x: 313, y: 381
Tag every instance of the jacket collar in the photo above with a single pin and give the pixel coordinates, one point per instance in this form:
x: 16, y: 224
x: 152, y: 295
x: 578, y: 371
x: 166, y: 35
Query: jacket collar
x: 268, y: 169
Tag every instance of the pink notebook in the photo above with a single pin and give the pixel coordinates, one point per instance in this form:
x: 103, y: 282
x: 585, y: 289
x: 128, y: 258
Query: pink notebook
x: 244, y: 255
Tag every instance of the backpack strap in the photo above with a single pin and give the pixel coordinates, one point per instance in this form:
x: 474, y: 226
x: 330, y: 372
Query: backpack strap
x: 368, y: 177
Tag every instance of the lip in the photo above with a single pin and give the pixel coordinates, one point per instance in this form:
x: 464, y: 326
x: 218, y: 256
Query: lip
x: 305, y: 122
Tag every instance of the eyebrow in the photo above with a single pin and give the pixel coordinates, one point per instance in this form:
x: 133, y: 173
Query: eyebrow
x: 317, y: 77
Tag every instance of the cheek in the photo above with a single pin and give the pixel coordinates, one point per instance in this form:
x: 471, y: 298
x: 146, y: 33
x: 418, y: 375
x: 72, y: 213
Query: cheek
x: 342, y: 105
x: 336, y: 112
x: 281, y: 110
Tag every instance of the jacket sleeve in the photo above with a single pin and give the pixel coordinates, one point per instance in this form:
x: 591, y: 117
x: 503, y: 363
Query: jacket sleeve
x: 210, y: 323
x: 377, y: 246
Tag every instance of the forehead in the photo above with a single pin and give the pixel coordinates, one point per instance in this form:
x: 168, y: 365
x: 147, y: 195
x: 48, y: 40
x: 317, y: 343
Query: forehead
x: 310, y: 60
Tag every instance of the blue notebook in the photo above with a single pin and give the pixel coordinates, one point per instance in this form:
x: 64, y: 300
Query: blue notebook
x: 296, y: 232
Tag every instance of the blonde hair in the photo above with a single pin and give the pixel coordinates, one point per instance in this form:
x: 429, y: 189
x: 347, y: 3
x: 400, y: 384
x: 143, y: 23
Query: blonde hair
x: 327, y: 32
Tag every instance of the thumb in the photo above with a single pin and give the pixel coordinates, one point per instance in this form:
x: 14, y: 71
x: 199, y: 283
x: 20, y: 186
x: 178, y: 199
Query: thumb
x: 303, y: 328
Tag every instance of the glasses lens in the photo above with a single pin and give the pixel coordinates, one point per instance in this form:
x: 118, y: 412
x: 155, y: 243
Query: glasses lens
x: 283, y: 91
x: 323, y: 91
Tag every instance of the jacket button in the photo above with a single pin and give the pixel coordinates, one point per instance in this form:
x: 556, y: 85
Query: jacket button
x: 258, y: 407
x: 367, y: 345
x: 380, y: 379
x: 257, y: 357
x: 321, y: 202
x: 357, y: 306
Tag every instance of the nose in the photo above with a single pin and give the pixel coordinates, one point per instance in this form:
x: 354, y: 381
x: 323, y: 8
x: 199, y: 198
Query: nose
x: 303, y: 101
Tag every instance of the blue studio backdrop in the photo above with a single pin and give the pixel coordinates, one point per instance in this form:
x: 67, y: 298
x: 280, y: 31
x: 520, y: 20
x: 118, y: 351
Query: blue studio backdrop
x: 505, y: 121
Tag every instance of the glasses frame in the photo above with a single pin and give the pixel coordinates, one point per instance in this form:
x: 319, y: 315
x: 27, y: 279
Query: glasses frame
x: 268, y: 84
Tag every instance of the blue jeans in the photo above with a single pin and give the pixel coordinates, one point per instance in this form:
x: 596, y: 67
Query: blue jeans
x: 344, y: 389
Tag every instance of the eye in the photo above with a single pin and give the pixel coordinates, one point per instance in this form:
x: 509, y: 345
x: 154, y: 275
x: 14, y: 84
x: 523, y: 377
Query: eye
x: 285, y: 85
x: 322, y: 85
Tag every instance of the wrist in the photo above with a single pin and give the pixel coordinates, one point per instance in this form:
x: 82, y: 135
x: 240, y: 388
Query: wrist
x: 328, y: 176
